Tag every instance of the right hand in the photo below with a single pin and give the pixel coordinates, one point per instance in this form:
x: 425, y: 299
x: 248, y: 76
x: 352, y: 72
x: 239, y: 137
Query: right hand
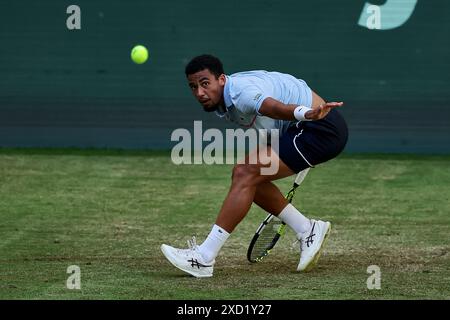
x: 322, y: 110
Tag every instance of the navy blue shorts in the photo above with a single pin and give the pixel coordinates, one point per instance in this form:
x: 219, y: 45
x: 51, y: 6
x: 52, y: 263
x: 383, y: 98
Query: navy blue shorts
x: 308, y: 143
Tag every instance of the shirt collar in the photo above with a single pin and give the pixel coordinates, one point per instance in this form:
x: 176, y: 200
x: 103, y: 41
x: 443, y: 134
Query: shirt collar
x: 226, y: 92
x: 226, y: 98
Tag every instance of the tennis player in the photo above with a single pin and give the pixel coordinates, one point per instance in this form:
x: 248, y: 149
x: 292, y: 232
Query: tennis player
x: 311, y: 132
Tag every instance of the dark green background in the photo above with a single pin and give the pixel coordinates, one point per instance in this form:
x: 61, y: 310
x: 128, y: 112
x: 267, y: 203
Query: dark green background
x: 79, y: 88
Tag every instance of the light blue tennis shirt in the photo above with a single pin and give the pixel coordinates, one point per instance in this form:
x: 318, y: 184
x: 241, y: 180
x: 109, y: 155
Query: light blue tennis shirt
x: 244, y: 92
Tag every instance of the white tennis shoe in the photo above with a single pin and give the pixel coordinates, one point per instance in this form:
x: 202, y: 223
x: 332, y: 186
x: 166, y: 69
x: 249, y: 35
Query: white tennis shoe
x: 312, y: 243
x: 189, y: 260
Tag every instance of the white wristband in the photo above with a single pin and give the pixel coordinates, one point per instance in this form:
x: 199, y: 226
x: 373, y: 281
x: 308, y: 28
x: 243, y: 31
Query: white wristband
x: 299, y: 113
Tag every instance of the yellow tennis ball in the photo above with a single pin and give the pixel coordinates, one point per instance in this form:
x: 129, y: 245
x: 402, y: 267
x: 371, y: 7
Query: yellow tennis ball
x: 139, y: 54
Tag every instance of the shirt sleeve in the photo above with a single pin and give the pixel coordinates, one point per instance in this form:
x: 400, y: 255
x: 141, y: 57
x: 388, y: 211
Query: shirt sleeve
x: 249, y: 100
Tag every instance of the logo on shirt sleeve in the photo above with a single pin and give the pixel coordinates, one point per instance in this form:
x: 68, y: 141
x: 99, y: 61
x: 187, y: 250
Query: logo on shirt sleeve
x: 257, y: 97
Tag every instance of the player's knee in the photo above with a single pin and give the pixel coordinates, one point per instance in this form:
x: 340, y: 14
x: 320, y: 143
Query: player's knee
x: 244, y: 174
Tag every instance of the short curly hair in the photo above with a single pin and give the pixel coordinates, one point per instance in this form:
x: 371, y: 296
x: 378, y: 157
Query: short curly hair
x: 202, y: 62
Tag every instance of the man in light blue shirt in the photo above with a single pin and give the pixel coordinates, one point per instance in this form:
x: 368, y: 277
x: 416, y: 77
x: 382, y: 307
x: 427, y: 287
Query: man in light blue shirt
x: 311, y: 132
x: 244, y: 93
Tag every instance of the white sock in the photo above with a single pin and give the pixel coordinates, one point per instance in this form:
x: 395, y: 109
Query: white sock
x: 294, y: 219
x: 210, y: 248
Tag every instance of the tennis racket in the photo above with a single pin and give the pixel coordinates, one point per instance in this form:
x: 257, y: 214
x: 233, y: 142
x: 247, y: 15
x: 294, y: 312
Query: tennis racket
x: 272, y: 228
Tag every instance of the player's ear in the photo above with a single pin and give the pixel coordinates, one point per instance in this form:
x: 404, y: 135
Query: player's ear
x: 222, y: 79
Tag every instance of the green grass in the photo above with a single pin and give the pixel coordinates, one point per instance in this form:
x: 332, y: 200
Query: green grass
x: 109, y: 211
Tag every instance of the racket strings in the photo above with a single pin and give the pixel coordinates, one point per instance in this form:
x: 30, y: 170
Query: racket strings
x: 270, y: 234
x: 266, y: 239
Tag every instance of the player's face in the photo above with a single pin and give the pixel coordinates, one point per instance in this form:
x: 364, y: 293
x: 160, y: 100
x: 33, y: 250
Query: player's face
x: 207, y: 89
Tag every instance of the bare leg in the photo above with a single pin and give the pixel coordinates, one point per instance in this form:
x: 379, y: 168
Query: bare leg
x: 245, y: 179
x: 269, y: 198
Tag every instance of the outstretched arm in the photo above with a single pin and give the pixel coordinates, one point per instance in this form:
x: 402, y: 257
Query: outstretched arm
x: 277, y: 110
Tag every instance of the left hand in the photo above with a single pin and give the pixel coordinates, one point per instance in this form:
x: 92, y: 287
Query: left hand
x: 321, y: 111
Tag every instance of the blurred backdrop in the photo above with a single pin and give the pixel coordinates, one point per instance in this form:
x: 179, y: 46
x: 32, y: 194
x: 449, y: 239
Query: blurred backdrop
x: 79, y: 88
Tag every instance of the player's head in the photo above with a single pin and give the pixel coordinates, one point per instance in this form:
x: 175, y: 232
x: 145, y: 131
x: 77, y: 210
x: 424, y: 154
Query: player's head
x: 206, y: 79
